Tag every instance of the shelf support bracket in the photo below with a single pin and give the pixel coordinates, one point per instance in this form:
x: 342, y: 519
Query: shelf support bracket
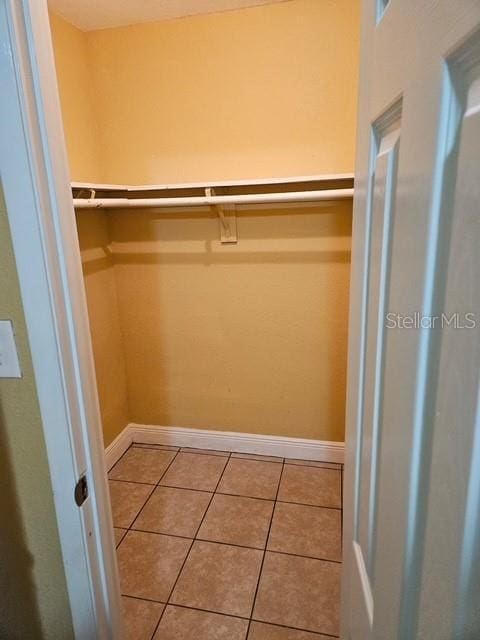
x: 227, y: 218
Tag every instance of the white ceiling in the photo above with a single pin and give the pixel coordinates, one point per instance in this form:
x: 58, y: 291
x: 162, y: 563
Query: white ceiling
x: 89, y: 15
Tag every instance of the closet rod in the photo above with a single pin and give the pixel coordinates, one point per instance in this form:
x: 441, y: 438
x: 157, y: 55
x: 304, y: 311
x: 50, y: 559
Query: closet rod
x: 204, y: 201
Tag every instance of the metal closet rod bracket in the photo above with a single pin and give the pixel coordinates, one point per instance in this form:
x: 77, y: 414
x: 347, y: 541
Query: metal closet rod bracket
x: 226, y: 216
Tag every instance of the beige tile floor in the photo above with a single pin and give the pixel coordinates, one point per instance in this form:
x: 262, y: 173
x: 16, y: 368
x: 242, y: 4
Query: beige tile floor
x: 220, y: 546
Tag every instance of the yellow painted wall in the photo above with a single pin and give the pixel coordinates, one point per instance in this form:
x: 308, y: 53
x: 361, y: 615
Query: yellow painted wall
x: 77, y: 100
x: 34, y: 600
x: 260, y: 92
x: 250, y: 337
x: 107, y: 341
x: 84, y: 153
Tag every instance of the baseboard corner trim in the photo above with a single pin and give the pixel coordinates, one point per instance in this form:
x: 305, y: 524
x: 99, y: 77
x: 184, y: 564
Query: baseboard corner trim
x: 117, y: 448
x: 281, y: 446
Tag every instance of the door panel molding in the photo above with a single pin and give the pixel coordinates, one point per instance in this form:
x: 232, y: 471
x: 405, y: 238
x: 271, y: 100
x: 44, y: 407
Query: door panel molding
x: 386, y: 143
x: 392, y: 146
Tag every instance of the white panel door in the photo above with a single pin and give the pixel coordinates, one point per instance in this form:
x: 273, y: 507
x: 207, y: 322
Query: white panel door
x: 412, y: 486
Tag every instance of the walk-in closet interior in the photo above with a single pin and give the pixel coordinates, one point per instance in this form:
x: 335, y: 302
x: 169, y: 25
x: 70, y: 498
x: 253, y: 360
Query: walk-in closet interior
x: 211, y: 150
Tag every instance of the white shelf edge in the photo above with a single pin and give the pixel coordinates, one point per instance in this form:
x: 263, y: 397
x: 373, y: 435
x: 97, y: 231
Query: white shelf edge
x: 201, y: 185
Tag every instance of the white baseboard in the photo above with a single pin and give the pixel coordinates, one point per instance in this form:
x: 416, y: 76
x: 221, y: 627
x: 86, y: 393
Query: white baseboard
x: 281, y: 446
x: 117, y: 448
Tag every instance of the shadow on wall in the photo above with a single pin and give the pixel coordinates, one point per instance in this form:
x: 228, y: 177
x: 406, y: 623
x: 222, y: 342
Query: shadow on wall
x: 320, y: 233
x: 99, y: 278
x: 249, y: 337
x: 284, y: 234
x: 94, y: 238
x: 19, y: 616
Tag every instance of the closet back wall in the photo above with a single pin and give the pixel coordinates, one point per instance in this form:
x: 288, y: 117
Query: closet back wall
x: 268, y: 91
x: 250, y: 337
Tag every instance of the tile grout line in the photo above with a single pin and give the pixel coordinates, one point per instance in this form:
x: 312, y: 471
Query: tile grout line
x: 149, y: 484
x: 172, y: 589
x: 143, y: 599
x: 318, y: 464
x: 125, y: 531
x: 233, y: 544
x: 233, y: 495
x: 236, y: 455
x: 264, y: 551
x: 299, y: 555
x: 154, y: 486
x: 190, y: 547
x: 315, y: 506
x: 156, y: 447
x: 141, y: 509
x: 231, y: 615
x: 117, y: 461
x: 206, y: 452
x: 213, y: 495
x: 135, y: 519
x: 321, y: 634
x: 130, y: 528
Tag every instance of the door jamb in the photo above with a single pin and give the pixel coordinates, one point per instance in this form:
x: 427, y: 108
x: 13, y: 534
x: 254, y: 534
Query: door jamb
x: 36, y: 184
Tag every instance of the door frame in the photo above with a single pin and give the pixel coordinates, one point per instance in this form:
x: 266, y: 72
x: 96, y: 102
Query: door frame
x: 36, y: 185
x: 357, y: 323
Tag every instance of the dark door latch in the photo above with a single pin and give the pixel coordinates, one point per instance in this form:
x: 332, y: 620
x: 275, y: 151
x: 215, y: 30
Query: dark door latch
x: 81, y: 491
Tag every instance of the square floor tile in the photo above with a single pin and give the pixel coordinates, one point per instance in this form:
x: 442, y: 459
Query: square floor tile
x: 195, y: 471
x: 149, y: 564
x: 262, y: 631
x: 140, y: 618
x: 306, y: 531
x: 219, y: 577
x: 119, y: 533
x: 311, y: 485
x: 251, y: 478
x: 188, y: 624
x: 173, y: 511
x: 142, y: 465
x: 299, y: 592
x: 237, y: 520
x: 127, y: 498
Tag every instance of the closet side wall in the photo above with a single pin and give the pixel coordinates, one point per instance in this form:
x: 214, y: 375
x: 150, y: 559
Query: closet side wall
x: 268, y: 91
x: 77, y: 100
x: 81, y: 132
x: 107, y: 340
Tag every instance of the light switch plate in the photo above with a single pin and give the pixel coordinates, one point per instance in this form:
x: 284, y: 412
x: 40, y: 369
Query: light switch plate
x: 9, y: 364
